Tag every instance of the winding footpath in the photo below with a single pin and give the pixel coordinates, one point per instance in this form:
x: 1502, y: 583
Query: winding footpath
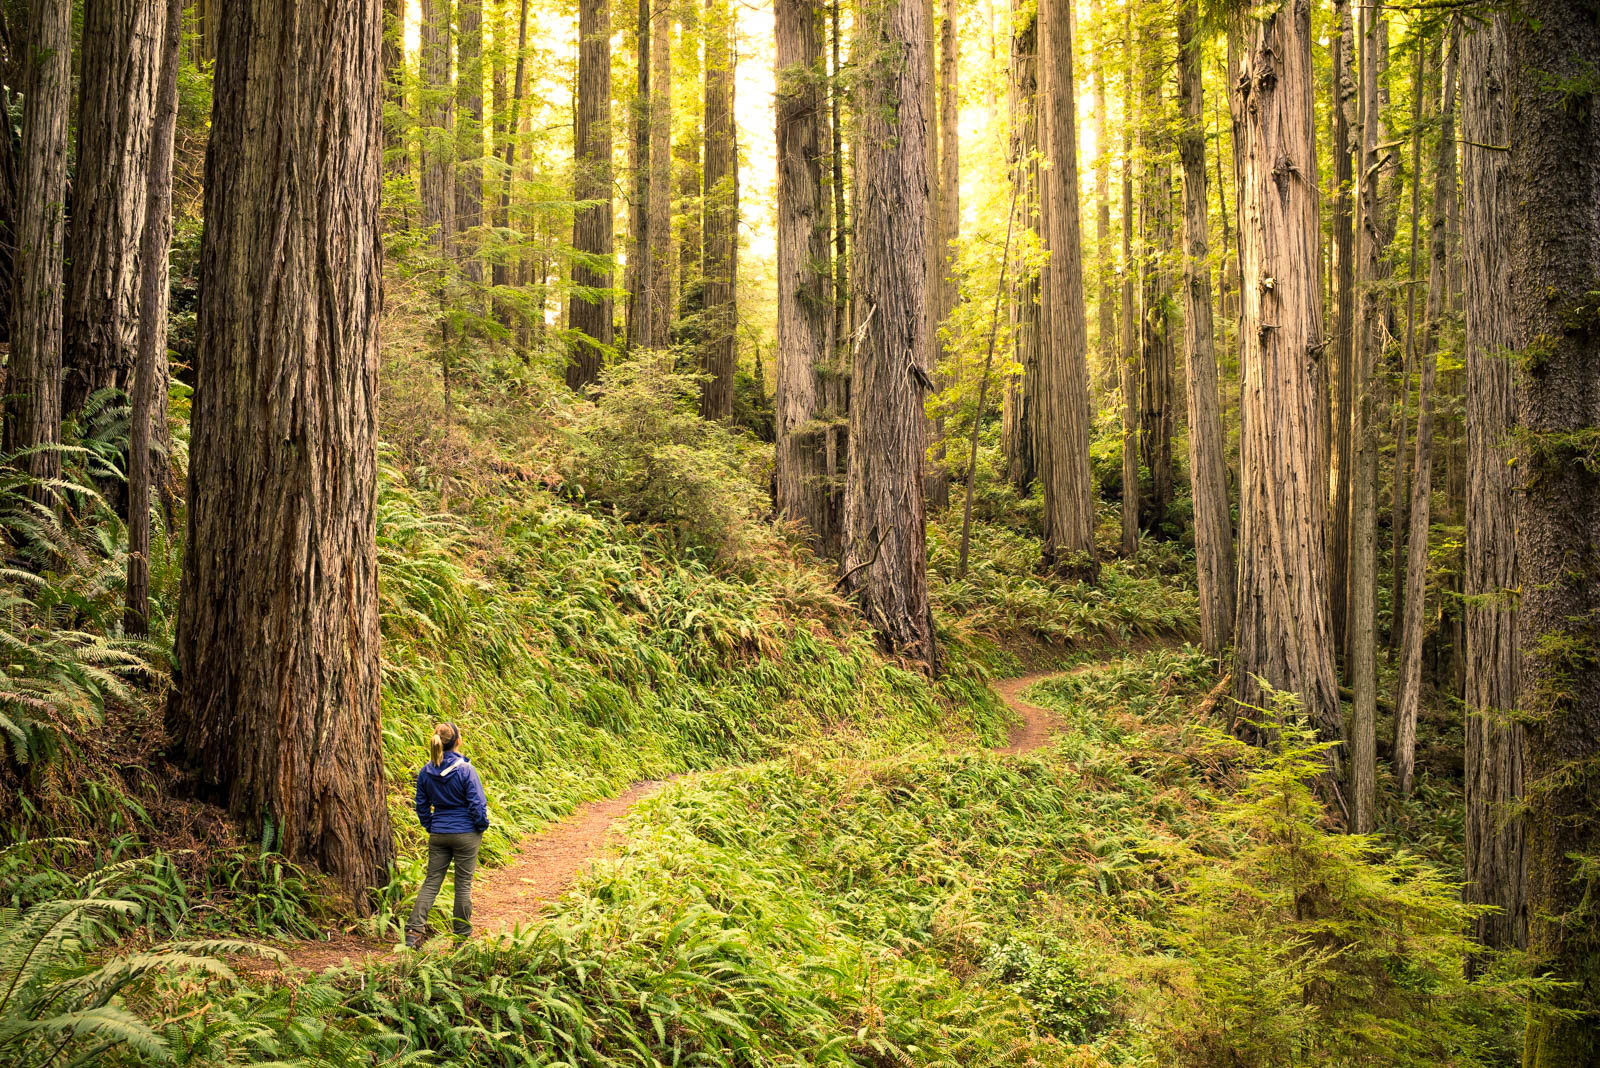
x: 551, y: 861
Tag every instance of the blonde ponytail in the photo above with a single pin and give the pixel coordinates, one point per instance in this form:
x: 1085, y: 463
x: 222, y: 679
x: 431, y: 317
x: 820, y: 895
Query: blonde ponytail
x: 444, y: 737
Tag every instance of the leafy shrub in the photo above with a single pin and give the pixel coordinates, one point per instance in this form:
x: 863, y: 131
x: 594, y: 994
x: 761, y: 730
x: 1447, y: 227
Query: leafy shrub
x: 644, y: 452
x: 1056, y: 980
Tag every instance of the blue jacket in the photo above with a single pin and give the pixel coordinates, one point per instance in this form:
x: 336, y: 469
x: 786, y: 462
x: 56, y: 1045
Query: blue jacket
x: 450, y: 797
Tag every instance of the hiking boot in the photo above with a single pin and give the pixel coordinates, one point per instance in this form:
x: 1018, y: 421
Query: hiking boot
x: 414, y: 939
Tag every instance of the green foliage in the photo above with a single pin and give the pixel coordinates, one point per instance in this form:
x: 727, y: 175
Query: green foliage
x: 644, y: 452
x: 1056, y: 979
x: 60, y: 1004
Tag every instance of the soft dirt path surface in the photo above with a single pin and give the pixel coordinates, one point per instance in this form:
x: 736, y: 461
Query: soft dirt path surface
x: 551, y: 861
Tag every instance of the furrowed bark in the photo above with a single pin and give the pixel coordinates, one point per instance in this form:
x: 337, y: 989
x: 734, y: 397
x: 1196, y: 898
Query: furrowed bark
x: 589, y: 311
x: 33, y: 382
x: 1213, y: 528
x: 1063, y: 426
x: 1496, y: 853
x: 277, y: 701
x: 1555, y: 261
x: 150, y: 372
x: 805, y: 298
x: 1283, y: 633
x: 885, y: 549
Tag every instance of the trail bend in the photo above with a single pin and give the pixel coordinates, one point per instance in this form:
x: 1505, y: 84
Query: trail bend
x: 550, y: 862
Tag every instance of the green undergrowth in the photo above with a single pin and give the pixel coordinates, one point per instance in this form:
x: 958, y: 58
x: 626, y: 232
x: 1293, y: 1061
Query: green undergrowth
x: 1144, y: 891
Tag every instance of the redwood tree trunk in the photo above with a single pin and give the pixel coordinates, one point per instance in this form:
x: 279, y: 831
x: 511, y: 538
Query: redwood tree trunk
x: 1063, y: 428
x: 469, y: 136
x: 1021, y: 400
x: 805, y: 300
x: 1555, y: 259
x: 1208, y: 471
x: 1495, y: 852
x: 1106, y: 303
x: 33, y: 373
x: 660, y: 206
x: 1342, y: 452
x: 640, y: 255
x: 1130, y: 316
x: 117, y: 92
x: 719, y: 341
x: 885, y: 544
x: 150, y: 373
x: 1283, y: 634
x: 1156, y: 327
x: 1444, y: 171
x: 589, y: 309
x: 278, y: 630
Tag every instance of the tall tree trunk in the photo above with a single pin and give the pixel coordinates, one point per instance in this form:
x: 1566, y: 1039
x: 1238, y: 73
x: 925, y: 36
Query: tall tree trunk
x: 1155, y: 334
x: 1106, y: 302
x: 885, y: 542
x: 719, y: 341
x: 1422, y: 482
x: 1361, y: 615
x: 437, y: 112
x: 949, y: 223
x: 150, y: 372
x: 117, y: 91
x: 1398, y: 484
x: 805, y: 300
x: 1555, y: 259
x: 1063, y: 428
x: 1130, y: 316
x: 469, y: 137
x: 1495, y: 851
x: 394, y: 95
x: 1213, y: 529
x: 640, y: 254
x: 836, y: 387
x: 1374, y: 233
x: 278, y: 628
x: 1342, y: 453
x: 1283, y: 633
x: 33, y: 372
x: 501, y: 275
x: 659, y: 235
x: 589, y: 313
x: 1021, y: 400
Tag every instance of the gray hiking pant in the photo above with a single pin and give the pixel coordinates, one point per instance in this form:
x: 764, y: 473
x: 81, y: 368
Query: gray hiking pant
x: 444, y: 850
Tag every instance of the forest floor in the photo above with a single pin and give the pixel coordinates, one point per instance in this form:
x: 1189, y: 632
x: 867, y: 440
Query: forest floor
x: 551, y: 861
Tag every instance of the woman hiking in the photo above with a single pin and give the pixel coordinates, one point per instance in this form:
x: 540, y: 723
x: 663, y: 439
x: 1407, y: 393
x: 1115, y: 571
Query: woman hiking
x: 452, y: 809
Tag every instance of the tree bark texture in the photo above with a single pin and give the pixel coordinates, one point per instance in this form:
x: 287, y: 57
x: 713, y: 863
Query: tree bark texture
x: 719, y: 319
x: 1283, y: 634
x: 33, y: 373
x: 1208, y: 468
x: 640, y: 254
x: 117, y: 91
x: 1107, y: 349
x: 1555, y: 260
x: 1156, y: 327
x: 469, y: 137
x: 437, y: 112
x: 1063, y: 394
x: 1021, y: 400
x: 885, y: 543
x: 278, y: 629
x: 589, y: 314
x: 1342, y: 452
x: 150, y: 370
x: 945, y: 290
x: 1130, y: 317
x: 1495, y: 852
x: 805, y: 298
x: 1409, y: 703
x: 659, y: 210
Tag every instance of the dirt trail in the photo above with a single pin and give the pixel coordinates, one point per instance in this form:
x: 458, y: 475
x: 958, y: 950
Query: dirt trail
x: 551, y: 861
